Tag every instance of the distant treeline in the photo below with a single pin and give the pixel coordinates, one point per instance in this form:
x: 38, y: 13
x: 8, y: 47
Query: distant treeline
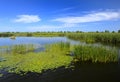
x: 6, y: 34
x: 28, y: 34
x: 60, y: 33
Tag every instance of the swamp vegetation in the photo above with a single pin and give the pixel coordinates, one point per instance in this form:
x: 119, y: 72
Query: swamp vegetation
x: 22, y: 58
x: 55, y: 55
x: 106, y: 38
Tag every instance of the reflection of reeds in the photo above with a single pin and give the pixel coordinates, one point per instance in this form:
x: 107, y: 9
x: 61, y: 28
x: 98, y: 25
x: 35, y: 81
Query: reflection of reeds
x: 95, y: 54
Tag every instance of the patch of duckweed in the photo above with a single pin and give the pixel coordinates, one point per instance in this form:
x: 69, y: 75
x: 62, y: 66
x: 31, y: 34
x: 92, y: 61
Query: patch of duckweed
x: 54, y: 57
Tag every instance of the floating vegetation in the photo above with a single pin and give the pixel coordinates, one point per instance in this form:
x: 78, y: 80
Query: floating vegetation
x: 95, y: 54
x: 52, y: 58
x: 12, y: 37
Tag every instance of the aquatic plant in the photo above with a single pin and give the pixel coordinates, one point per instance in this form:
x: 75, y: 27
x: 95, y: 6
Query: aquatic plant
x: 108, y: 38
x: 95, y: 54
x: 17, y: 49
x: 56, y: 55
x: 22, y: 48
x: 53, y: 58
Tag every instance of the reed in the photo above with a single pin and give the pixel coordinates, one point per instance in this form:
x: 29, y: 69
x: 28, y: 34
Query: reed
x: 22, y: 48
x: 95, y: 54
x: 17, y: 49
x: 108, y: 38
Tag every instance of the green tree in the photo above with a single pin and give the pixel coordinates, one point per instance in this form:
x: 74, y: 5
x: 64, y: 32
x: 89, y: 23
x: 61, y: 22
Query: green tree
x: 106, y: 31
x: 118, y: 31
x: 97, y: 31
x: 113, y: 31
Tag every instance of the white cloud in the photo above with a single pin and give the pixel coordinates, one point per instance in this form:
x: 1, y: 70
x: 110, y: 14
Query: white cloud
x: 92, y: 17
x: 27, y: 18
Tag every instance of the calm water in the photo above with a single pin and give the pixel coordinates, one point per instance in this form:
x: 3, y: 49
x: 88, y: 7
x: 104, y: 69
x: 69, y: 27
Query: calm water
x: 82, y: 72
x: 34, y: 40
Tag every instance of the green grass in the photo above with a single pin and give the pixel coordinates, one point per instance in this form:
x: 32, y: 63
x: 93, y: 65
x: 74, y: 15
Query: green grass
x: 95, y: 54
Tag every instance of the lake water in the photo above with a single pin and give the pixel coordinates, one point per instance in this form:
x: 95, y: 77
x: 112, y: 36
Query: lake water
x: 34, y: 40
x: 82, y: 72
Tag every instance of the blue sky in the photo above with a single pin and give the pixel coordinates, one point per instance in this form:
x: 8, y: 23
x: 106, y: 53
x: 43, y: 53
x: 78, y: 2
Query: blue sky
x: 59, y: 15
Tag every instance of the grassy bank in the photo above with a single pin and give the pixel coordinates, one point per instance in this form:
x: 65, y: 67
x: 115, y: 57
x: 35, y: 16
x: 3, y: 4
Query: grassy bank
x: 107, y: 38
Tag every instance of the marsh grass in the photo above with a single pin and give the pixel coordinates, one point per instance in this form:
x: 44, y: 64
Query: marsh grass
x: 22, y: 48
x: 107, y: 38
x: 17, y: 49
x: 56, y: 55
x: 95, y: 54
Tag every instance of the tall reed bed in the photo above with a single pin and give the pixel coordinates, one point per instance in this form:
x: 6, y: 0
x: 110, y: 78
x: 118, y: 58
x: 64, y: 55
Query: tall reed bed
x: 109, y: 38
x: 17, y: 49
x: 95, y: 54
x: 22, y: 48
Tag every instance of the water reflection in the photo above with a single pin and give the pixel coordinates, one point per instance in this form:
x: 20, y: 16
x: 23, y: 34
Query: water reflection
x: 83, y: 72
